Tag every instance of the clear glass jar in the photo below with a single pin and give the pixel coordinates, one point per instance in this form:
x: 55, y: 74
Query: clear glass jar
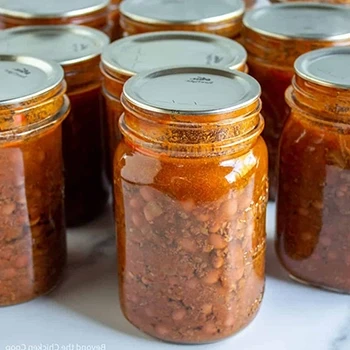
x: 79, y: 51
x: 33, y: 236
x: 222, y: 17
x: 190, y: 179
x: 313, y: 215
x: 139, y: 53
x: 275, y: 37
x: 91, y: 13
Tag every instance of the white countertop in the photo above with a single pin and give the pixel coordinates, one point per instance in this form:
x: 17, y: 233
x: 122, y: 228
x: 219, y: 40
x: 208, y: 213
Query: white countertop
x: 83, y: 312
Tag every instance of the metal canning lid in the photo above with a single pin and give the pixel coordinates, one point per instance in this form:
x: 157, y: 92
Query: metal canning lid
x: 24, y: 77
x: 327, y: 67
x: 304, y: 21
x: 192, y: 90
x: 139, y: 53
x: 66, y: 44
x: 181, y: 11
x: 50, y: 8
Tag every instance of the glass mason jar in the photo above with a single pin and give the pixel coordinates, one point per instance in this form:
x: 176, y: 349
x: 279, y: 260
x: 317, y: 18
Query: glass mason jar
x: 33, y: 236
x: 91, y: 13
x: 222, y: 17
x: 313, y: 215
x: 129, y: 56
x: 190, y: 200
x: 78, y: 52
x: 275, y: 37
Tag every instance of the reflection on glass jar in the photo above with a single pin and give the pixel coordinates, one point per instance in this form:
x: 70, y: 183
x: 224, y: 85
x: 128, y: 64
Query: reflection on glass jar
x: 114, y: 17
x: 139, y: 53
x: 314, y: 191
x: 91, y: 13
x: 77, y: 49
x: 190, y: 202
x: 32, y: 239
x: 222, y: 17
x: 275, y: 37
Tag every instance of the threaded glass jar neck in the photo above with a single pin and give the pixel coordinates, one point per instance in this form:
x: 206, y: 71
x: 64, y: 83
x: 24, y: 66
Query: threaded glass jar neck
x: 191, y: 135
x: 321, y: 103
x: 228, y: 28
x: 32, y: 116
x: 282, y: 52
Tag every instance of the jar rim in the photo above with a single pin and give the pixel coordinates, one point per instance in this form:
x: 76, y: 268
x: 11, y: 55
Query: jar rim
x: 190, y: 137
x: 130, y: 8
x: 237, y: 90
x: 234, y: 54
x: 41, y: 76
x: 254, y: 20
x: 32, y: 12
x: 325, y: 67
x: 81, y: 43
x: 28, y: 130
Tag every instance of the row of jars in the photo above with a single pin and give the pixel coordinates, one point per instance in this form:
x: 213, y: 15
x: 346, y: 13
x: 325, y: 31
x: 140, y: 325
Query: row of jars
x: 85, y: 171
x: 225, y: 18
x: 133, y: 16
x: 190, y: 173
x: 222, y: 17
x: 273, y: 37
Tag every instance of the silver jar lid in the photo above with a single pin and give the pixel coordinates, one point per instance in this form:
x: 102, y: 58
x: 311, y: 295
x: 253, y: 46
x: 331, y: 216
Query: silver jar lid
x: 305, y: 21
x: 326, y: 67
x: 50, y: 8
x: 66, y: 44
x: 192, y: 90
x: 23, y: 78
x: 181, y: 11
x: 139, y: 53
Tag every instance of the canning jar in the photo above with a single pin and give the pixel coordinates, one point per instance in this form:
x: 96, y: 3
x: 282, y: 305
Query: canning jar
x: 190, y: 180
x: 222, y: 17
x: 91, y: 13
x: 275, y: 37
x: 32, y: 239
x: 77, y: 49
x: 314, y: 192
x: 129, y: 56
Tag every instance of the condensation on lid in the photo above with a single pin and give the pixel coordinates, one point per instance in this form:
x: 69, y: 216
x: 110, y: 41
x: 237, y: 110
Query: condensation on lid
x: 66, y: 44
x: 24, y: 77
x: 50, y: 8
x: 192, y: 90
x: 181, y: 11
x: 139, y: 53
x: 303, y: 21
x: 327, y: 67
